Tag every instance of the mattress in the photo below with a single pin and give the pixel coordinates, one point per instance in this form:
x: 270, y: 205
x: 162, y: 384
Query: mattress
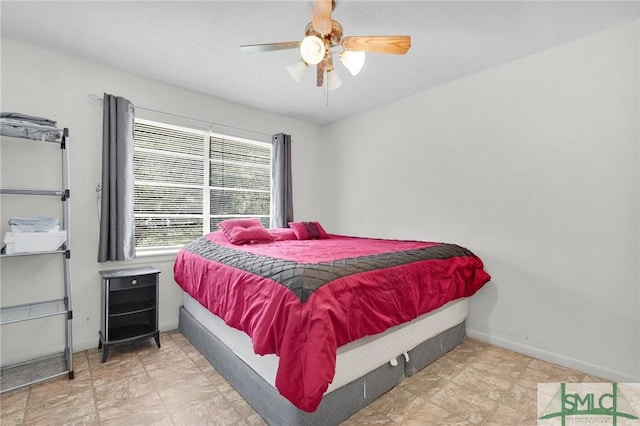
x: 354, y: 359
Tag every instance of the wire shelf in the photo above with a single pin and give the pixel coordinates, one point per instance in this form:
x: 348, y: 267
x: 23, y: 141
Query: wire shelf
x: 34, y: 371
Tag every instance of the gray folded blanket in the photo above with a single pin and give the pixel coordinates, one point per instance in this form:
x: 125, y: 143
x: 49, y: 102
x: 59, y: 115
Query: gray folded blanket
x: 37, y: 120
x: 27, y: 126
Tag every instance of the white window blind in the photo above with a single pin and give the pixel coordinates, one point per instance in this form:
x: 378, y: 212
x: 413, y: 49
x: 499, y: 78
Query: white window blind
x: 189, y: 180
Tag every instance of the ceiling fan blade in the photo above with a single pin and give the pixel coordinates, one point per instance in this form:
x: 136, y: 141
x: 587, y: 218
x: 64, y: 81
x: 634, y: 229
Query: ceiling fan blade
x: 397, y: 45
x: 321, y: 16
x: 251, y: 48
x: 320, y: 74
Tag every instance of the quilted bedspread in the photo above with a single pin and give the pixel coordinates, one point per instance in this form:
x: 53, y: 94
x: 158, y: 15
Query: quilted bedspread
x: 301, y: 300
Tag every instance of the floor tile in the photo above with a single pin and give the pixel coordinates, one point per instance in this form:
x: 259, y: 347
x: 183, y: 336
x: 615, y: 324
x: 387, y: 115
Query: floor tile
x: 504, y: 415
x: 482, y: 383
x: 431, y: 414
x: 216, y: 411
x: 127, y: 388
x: 14, y: 401
x: 500, y: 362
x: 522, y: 399
x: 463, y: 402
x: 141, y: 410
x: 64, y: 408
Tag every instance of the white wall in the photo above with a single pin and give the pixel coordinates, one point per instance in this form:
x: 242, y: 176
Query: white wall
x: 43, y: 83
x: 533, y: 165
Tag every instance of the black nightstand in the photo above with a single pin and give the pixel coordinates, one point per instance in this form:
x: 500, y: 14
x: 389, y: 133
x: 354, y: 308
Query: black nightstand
x: 129, y: 309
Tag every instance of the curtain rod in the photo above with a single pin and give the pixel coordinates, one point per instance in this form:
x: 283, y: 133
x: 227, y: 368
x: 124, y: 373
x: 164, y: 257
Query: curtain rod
x: 96, y: 98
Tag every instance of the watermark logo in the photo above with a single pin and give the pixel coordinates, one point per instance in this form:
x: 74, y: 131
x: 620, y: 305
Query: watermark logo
x: 588, y: 403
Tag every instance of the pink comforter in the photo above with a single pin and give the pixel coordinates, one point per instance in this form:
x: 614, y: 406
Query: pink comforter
x: 306, y: 334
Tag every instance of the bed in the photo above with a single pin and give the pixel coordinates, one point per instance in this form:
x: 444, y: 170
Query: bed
x: 311, y: 327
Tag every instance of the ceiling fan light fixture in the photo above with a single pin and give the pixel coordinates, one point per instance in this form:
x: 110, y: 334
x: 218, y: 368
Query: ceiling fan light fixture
x: 297, y: 69
x: 333, y: 80
x: 353, y: 60
x: 312, y: 50
x: 323, y: 34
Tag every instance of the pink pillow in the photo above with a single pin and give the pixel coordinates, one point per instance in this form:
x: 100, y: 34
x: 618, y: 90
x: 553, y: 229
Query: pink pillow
x: 227, y: 224
x: 240, y: 235
x: 308, y: 230
x: 282, y: 234
x: 242, y: 231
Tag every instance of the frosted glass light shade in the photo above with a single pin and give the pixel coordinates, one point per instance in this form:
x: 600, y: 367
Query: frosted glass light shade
x: 353, y: 60
x: 312, y: 50
x: 297, y: 69
x: 333, y: 81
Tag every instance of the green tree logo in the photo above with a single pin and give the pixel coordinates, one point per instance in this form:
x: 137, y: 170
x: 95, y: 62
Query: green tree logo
x: 567, y: 404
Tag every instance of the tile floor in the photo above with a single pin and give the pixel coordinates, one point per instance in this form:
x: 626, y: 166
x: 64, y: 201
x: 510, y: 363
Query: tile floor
x: 475, y: 384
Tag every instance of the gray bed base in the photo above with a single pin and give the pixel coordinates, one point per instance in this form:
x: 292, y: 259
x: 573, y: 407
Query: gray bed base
x: 430, y: 350
x: 337, y: 405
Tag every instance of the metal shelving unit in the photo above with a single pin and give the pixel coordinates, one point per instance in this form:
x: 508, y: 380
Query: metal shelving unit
x: 27, y: 372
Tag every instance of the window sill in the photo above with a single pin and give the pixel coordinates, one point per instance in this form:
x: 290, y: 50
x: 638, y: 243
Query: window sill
x: 159, y: 254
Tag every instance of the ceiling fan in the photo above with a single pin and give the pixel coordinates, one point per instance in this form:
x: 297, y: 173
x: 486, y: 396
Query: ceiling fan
x: 323, y: 34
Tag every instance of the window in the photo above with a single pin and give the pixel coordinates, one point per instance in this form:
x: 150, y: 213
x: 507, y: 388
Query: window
x: 189, y: 180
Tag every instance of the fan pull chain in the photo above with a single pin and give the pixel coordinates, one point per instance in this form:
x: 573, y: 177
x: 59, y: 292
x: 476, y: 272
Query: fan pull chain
x: 326, y: 88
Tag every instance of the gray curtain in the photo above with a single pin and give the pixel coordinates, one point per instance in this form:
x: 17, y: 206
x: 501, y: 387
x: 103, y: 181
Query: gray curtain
x: 282, y: 196
x: 117, y: 238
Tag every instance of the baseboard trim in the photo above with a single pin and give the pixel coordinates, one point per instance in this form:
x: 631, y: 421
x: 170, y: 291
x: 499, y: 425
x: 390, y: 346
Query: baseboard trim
x: 556, y: 358
x: 84, y: 345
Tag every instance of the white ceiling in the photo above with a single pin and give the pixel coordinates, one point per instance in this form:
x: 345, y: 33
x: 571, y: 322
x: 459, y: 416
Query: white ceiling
x: 195, y: 44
